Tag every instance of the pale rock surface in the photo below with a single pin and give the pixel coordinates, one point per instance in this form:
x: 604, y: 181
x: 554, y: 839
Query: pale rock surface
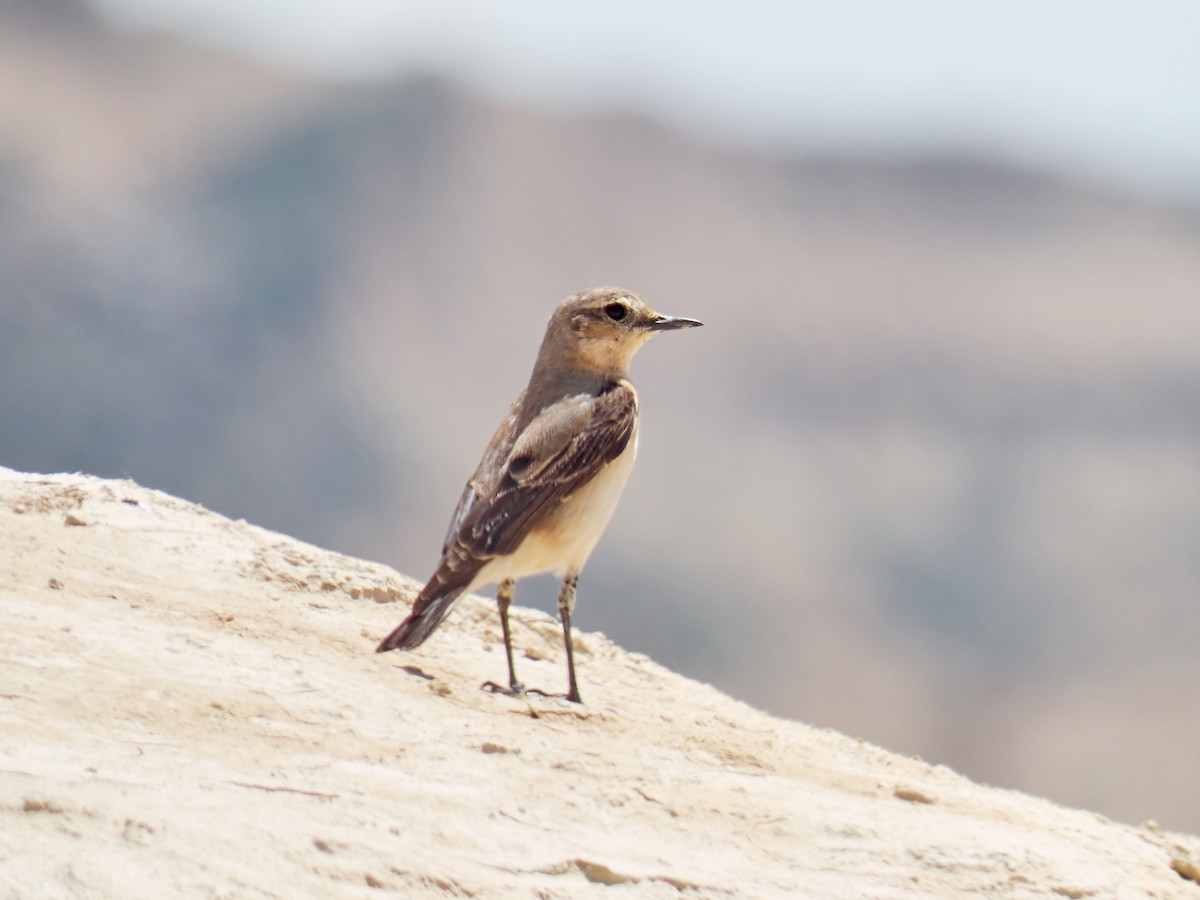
x: 190, y: 707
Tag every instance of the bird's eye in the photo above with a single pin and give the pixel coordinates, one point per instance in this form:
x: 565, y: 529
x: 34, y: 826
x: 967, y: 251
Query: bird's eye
x: 616, y: 311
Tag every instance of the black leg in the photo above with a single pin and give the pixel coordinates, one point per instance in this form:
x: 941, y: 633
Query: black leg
x: 566, y: 603
x: 504, y: 598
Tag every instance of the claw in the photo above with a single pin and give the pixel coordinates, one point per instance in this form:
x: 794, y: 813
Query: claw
x: 512, y: 690
x: 572, y: 698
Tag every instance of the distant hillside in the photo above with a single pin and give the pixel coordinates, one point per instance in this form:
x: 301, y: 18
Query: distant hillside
x: 929, y: 476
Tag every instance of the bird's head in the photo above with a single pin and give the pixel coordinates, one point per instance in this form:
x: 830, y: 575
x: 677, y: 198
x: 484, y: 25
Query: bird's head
x: 600, y: 330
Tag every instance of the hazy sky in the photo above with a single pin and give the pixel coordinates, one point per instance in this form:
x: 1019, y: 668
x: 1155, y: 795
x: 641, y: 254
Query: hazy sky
x: 1103, y: 89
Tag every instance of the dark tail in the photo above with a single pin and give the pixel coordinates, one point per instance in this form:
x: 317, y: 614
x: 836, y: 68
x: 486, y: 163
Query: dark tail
x: 427, y: 614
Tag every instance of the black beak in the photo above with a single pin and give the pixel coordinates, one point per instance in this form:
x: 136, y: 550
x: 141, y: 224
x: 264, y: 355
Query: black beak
x: 670, y: 323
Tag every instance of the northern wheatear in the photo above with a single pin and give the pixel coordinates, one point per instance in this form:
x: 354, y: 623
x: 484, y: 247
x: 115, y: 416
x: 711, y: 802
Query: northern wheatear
x: 551, y: 476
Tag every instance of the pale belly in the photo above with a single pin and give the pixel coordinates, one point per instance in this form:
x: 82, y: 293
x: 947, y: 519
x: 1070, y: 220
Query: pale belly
x: 564, y: 542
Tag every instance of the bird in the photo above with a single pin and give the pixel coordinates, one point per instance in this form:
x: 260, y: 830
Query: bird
x: 551, y: 475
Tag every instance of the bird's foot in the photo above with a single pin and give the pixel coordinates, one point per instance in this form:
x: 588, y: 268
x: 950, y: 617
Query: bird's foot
x: 515, y: 689
x: 519, y: 690
x: 573, y: 697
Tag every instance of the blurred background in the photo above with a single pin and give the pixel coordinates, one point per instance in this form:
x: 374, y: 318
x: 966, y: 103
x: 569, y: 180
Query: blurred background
x: 929, y: 476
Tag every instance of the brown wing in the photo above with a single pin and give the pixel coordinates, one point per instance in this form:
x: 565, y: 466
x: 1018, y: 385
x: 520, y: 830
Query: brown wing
x: 489, y: 471
x: 523, y: 475
x: 458, y: 566
x: 559, y: 451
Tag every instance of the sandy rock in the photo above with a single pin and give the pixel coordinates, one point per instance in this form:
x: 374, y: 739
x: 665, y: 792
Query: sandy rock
x: 190, y: 706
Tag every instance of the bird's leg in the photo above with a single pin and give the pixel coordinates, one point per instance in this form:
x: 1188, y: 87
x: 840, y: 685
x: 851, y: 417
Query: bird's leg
x: 504, y: 598
x: 566, y: 603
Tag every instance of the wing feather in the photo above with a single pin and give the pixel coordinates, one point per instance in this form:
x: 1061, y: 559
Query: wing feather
x: 558, y: 452
x: 488, y: 473
x: 524, y: 474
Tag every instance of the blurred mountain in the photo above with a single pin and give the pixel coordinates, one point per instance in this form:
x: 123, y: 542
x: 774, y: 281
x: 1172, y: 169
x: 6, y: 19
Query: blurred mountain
x: 931, y: 468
